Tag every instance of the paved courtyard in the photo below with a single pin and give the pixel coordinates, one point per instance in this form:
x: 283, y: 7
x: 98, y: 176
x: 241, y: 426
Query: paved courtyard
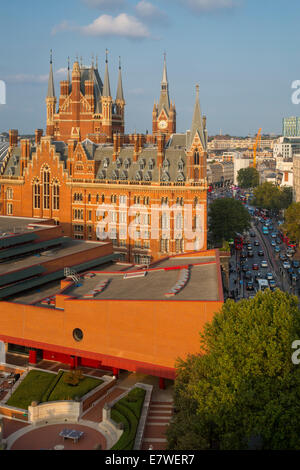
x: 47, y: 438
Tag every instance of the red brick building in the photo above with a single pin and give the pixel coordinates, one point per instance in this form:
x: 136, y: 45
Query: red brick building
x: 86, y: 169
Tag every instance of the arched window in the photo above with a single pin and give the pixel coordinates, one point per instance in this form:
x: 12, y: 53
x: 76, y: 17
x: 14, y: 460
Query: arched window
x: 56, y: 195
x: 196, y: 158
x: 9, y: 193
x: 36, y: 195
x: 46, y: 187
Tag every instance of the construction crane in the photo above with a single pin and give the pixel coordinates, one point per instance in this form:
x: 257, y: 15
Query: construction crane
x: 256, y: 146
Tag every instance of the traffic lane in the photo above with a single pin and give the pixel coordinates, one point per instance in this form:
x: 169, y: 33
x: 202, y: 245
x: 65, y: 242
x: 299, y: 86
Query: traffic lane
x: 256, y: 259
x: 278, y: 265
x: 269, y: 256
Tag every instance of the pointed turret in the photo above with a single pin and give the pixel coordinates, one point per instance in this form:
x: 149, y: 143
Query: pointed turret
x: 68, y: 77
x: 164, y: 100
x: 120, y: 94
x: 106, y: 86
x: 197, y: 124
x: 50, y: 102
x: 51, y: 90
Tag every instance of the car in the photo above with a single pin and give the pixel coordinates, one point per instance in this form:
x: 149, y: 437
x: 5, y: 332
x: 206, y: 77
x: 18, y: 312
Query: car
x: 273, y: 243
x: 296, y: 264
x: 278, y: 241
x: 245, y: 268
x: 255, y: 267
x: 290, y: 271
x: 294, y: 278
x: 256, y: 243
x: 286, y: 265
x: 250, y: 254
x: 249, y: 246
x: 264, y: 264
x: 272, y: 283
x: 282, y: 256
x: 269, y: 276
x: 252, y: 234
x: 249, y: 285
x: 277, y: 249
x: 260, y: 253
x: 243, y: 255
x: 289, y: 254
x: 273, y: 234
x: 248, y: 275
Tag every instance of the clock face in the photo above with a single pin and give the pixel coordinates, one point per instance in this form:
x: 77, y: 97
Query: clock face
x: 163, y: 124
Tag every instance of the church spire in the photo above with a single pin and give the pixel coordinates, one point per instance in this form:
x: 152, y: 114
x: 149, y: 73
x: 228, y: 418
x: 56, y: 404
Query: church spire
x: 51, y: 91
x: 120, y: 94
x: 69, y: 70
x: 197, y: 124
x: 164, y: 101
x: 106, y: 86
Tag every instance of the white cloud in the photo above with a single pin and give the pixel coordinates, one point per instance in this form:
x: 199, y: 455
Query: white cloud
x: 64, y: 26
x: 30, y: 78
x: 121, y: 25
x: 147, y: 11
x: 209, y: 5
x: 136, y: 91
x: 105, y: 4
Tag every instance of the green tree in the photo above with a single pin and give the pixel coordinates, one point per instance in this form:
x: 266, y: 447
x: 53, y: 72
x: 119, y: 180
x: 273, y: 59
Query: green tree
x: 226, y: 218
x: 286, y: 197
x: 267, y: 196
x: 242, y: 387
x: 248, y: 178
x: 292, y: 221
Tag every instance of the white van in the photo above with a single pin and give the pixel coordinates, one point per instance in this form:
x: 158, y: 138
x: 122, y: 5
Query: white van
x: 263, y: 284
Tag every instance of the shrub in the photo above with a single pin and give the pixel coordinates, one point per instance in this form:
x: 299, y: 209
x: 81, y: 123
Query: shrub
x: 128, y: 411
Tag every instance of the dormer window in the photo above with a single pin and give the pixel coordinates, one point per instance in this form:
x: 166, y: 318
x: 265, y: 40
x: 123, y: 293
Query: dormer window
x: 180, y: 165
x: 139, y: 176
x: 180, y: 177
x: 165, y: 176
x: 151, y: 164
x: 119, y: 162
x: 142, y: 164
x: 126, y: 163
x: 166, y: 163
x: 148, y: 176
x: 124, y: 175
x: 115, y: 175
x: 106, y: 163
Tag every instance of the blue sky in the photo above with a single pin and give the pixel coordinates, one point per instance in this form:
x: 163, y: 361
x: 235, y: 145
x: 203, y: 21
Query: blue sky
x: 244, y: 54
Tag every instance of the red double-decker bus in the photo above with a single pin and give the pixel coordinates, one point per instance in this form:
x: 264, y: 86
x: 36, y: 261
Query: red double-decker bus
x: 238, y: 241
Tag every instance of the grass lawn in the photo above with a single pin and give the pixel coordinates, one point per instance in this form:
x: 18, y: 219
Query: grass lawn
x: 31, y: 389
x: 35, y: 385
x: 63, y: 391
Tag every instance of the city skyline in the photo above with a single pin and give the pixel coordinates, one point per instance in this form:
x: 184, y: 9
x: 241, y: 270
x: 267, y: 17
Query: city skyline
x: 244, y: 62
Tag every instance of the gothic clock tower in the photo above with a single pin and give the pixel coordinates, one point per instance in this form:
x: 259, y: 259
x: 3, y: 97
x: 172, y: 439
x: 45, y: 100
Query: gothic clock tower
x: 164, y: 113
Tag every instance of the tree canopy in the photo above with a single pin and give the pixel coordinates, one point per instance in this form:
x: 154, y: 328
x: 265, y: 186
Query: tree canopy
x: 292, y: 221
x: 242, y: 390
x: 226, y: 218
x: 248, y: 178
x: 269, y: 196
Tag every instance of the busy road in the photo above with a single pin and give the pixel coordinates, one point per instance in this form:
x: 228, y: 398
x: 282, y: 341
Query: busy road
x: 265, y: 260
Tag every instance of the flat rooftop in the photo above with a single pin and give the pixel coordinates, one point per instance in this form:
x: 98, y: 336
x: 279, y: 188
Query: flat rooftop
x: 202, y: 284
x: 70, y: 247
x: 18, y: 225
